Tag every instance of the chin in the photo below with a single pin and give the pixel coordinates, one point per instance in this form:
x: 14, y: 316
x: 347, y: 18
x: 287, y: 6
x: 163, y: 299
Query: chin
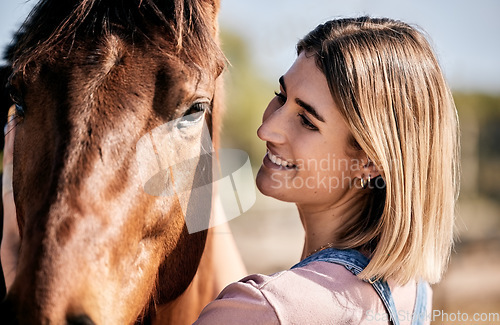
x: 271, y: 187
x: 261, y: 181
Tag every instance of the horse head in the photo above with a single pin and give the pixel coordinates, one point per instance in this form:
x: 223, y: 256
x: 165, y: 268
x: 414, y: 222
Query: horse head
x: 92, y: 80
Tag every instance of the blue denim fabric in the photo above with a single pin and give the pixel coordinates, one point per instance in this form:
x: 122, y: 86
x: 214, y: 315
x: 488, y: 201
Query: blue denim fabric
x: 355, y: 262
x: 420, y: 309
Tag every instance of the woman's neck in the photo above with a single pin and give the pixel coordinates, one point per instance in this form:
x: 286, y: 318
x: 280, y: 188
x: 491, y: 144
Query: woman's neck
x: 321, y: 225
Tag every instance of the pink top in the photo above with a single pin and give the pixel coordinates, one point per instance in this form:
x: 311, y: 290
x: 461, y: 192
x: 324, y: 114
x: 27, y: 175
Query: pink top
x: 318, y: 293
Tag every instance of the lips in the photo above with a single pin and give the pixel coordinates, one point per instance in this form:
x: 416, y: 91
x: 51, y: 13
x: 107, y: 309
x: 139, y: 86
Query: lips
x: 278, y: 161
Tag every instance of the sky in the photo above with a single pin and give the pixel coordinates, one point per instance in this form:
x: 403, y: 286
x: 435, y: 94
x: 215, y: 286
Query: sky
x: 465, y: 34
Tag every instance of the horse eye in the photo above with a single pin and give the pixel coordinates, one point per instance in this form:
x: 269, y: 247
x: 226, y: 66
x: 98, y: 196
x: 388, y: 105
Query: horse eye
x: 194, y: 114
x: 17, y: 100
x: 19, y: 110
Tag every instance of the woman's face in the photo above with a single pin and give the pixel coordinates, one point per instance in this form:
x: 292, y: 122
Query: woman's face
x: 309, y: 158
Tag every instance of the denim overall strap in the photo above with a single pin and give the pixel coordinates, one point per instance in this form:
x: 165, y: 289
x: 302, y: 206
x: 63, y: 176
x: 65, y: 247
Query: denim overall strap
x: 355, y: 262
x: 420, y: 310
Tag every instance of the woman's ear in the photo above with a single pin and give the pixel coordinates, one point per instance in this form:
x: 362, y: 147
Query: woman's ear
x: 364, y: 168
x: 366, y: 171
x: 370, y: 168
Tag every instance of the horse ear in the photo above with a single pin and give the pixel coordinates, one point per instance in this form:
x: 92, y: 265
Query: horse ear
x: 213, y: 6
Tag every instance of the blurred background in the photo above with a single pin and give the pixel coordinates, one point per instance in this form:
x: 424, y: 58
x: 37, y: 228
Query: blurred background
x: 259, y: 38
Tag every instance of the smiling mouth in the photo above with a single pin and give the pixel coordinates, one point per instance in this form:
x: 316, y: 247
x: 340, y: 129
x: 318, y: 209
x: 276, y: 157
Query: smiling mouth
x: 279, y: 161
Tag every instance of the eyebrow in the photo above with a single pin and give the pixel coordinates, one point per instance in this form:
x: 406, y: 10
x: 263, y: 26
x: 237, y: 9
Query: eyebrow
x: 310, y: 109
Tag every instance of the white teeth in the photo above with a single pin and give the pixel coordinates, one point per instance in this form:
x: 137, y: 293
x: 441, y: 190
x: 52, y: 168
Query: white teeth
x: 273, y: 158
x: 278, y: 161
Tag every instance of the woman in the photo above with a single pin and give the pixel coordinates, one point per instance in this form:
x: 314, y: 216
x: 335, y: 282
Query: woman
x: 363, y: 137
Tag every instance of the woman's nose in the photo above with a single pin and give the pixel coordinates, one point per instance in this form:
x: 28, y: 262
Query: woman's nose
x: 273, y: 125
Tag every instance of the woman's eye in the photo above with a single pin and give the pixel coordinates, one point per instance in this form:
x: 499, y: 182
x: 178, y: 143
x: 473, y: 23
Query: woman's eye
x: 281, y: 98
x: 306, y: 122
x: 194, y: 114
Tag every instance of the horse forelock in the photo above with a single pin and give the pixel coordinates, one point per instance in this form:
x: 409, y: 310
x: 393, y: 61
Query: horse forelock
x: 182, y: 28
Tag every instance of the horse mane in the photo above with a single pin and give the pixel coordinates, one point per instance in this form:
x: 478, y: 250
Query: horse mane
x: 182, y: 28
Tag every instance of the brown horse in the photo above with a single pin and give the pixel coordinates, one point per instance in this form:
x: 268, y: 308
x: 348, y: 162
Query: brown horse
x: 90, y: 78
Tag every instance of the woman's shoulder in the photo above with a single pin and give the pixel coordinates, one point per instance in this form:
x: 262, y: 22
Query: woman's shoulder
x: 314, y: 278
x: 319, y: 292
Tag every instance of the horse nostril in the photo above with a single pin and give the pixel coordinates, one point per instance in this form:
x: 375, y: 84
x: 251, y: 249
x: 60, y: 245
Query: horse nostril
x: 79, y: 320
x: 7, y: 314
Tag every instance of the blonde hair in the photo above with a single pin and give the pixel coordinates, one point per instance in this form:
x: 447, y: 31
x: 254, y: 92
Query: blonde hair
x: 388, y: 85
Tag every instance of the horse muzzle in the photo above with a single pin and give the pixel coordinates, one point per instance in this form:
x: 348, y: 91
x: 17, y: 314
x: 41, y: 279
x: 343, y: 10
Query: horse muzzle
x: 9, y: 316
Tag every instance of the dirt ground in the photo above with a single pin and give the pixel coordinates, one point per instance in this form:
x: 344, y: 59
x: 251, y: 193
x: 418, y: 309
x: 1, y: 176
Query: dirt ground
x: 471, y: 284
